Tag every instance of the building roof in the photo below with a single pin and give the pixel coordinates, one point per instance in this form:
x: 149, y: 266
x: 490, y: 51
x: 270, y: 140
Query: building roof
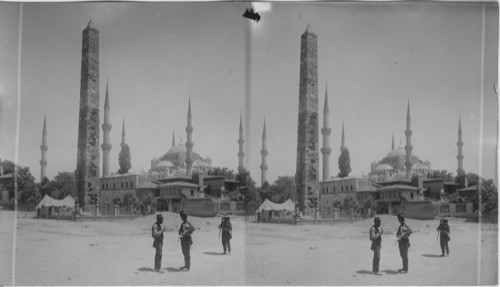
x: 398, y: 187
x: 7, y: 175
x: 470, y: 188
x: 179, y: 183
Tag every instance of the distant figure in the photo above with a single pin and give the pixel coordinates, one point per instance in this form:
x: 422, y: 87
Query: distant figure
x: 227, y: 231
x: 185, y: 236
x: 157, y: 233
x: 444, y: 236
x: 403, y: 235
x: 376, y: 237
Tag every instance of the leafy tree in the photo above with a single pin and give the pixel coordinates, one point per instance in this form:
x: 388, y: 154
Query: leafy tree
x: 63, y: 184
x: 117, y: 200
x: 46, y: 188
x: 350, y: 203
x: 447, y: 176
x: 221, y: 171
x: 124, y: 159
x: 280, y: 190
x: 25, y: 182
x: 344, y: 162
x: 129, y: 199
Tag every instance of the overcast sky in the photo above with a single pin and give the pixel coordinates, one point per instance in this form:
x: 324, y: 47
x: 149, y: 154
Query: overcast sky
x: 374, y: 57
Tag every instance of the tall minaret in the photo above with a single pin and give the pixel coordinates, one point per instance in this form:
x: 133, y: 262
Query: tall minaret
x: 307, y: 172
x: 88, y: 156
x: 106, y: 128
x: 123, y: 132
x: 241, y: 154
x: 325, y: 131
x: 263, y: 152
x: 408, y: 146
x: 173, y: 138
x: 189, y: 143
x: 460, y: 156
x: 44, y: 148
x: 342, y: 143
x: 392, y: 140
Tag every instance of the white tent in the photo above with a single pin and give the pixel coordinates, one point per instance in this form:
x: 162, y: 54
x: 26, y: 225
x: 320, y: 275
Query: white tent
x: 48, y: 201
x: 269, y: 205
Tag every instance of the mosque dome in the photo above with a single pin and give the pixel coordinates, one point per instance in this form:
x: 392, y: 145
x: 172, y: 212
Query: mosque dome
x: 384, y: 167
x: 420, y: 166
x: 397, y: 152
x: 175, y: 150
x: 164, y: 163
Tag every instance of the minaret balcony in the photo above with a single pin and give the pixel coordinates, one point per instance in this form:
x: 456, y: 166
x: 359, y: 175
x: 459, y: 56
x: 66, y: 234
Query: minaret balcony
x: 106, y: 146
x: 44, y: 147
x: 326, y: 150
x: 264, y: 152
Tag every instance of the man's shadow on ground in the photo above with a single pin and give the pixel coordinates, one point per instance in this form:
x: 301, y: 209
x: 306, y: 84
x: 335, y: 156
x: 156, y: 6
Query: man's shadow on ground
x: 172, y: 269
x: 147, y: 269
x: 431, y: 255
x: 213, y: 253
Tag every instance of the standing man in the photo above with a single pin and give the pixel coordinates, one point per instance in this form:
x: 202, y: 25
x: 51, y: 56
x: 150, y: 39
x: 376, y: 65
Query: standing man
x: 157, y: 233
x: 403, y: 235
x: 185, y: 236
x: 227, y: 230
x: 376, y: 237
x: 444, y: 236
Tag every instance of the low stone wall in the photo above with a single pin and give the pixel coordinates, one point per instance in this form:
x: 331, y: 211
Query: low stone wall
x: 202, y: 207
x: 419, y: 209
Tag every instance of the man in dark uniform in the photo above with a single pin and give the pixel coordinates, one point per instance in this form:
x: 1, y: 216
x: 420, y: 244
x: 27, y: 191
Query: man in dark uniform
x: 185, y: 235
x: 376, y: 237
x: 444, y: 236
x: 226, y: 229
x: 403, y: 235
x: 157, y: 233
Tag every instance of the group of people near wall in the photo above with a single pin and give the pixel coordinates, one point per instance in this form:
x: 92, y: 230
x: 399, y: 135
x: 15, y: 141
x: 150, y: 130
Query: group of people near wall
x: 403, y: 239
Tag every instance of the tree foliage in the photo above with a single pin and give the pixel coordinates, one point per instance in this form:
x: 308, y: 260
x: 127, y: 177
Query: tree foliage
x: 129, y: 199
x: 447, y: 176
x: 25, y: 183
x: 63, y: 184
x: 124, y: 159
x: 344, y: 162
x: 280, y: 190
x: 221, y: 171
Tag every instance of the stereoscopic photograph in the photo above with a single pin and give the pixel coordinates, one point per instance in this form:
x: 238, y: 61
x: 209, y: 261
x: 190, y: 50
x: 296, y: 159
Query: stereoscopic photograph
x: 344, y: 143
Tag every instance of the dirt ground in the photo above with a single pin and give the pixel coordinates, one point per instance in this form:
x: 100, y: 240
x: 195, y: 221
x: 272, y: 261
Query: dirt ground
x: 51, y: 252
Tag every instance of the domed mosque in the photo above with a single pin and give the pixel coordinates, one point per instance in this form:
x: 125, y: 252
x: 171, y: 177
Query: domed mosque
x: 392, y: 166
x: 400, y: 163
x: 173, y: 163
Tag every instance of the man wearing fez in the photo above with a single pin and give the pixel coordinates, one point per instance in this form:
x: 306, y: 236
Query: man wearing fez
x: 185, y: 236
x: 157, y: 233
x: 376, y: 237
x: 403, y: 235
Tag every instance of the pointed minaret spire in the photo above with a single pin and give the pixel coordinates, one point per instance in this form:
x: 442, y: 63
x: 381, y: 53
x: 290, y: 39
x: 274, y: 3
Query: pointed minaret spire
x: 106, y: 128
x: 460, y: 156
x: 392, y: 140
x: 343, y: 135
x: 123, y: 131
x: 408, y: 146
x: 44, y: 148
x: 263, y: 152
x: 173, y: 138
x: 241, y: 154
x: 189, y: 143
x: 326, y: 131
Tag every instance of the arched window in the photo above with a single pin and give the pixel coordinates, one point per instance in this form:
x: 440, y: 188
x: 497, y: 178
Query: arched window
x: 411, y: 195
x: 192, y: 192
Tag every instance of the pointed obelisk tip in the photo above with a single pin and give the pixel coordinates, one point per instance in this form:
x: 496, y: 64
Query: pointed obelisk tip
x: 91, y: 24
